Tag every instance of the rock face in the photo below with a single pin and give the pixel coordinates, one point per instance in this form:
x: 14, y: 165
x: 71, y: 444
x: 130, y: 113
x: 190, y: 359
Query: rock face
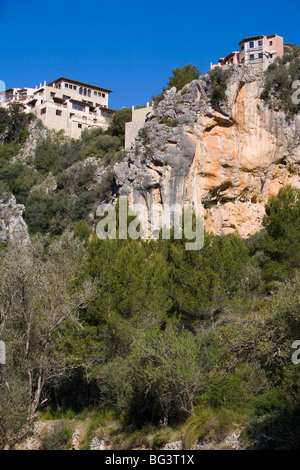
x: 231, y: 160
x: 28, y: 148
x: 97, y: 444
x: 12, y: 224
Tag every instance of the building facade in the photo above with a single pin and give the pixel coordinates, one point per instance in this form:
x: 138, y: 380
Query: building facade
x: 65, y: 104
x: 19, y: 95
x: 132, y: 128
x: 259, y: 51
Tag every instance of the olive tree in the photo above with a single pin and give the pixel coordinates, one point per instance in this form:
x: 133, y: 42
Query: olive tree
x: 38, y: 309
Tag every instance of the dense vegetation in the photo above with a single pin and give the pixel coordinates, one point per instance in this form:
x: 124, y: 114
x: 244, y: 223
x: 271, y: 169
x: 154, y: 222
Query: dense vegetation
x: 147, y: 333
x: 219, y: 77
x: 157, y: 334
x: 66, y: 179
x: 279, y: 79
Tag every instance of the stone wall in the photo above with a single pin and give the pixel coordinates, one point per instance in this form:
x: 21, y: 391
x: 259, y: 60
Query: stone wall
x: 138, y: 120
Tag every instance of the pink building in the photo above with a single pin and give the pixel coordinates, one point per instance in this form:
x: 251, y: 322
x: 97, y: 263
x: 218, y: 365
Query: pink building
x: 260, y: 51
x: 230, y: 59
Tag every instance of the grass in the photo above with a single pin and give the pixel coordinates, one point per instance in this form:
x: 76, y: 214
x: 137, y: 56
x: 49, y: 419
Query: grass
x: 210, y: 424
x: 59, y: 438
x: 51, y: 414
x: 107, y: 426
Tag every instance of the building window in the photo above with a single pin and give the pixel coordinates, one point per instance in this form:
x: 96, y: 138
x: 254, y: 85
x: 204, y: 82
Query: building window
x: 80, y: 126
x: 99, y: 94
x: 251, y: 44
x: 74, y: 87
x: 58, y: 112
x: 43, y: 110
x: 103, y: 95
x: 242, y: 48
x: 84, y: 91
x: 66, y: 85
x: 271, y: 43
x: 79, y: 107
x: 251, y: 56
x: 260, y: 43
x: 52, y: 94
x: 65, y: 97
x: 89, y: 92
x: 260, y: 55
x: 95, y: 93
x: 80, y: 90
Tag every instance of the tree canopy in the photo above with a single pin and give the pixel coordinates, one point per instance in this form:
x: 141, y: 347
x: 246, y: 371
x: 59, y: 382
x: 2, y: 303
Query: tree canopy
x: 182, y: 76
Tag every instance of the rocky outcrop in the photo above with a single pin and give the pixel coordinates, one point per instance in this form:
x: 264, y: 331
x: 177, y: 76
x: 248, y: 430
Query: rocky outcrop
x: 27, y: 151
x: 12, y: 224
x: 97, y: 444
x: 231, y: 160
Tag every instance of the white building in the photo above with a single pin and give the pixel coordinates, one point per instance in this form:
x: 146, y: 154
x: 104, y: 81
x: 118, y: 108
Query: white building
x: 64, y: 104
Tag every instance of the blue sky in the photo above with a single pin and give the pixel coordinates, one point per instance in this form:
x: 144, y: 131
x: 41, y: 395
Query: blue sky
x: 129, y: 47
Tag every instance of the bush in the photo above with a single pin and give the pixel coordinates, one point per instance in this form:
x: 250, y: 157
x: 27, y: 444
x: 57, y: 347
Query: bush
x: 159, y: 385
x: 117, y: 127
x: 210, y: 425
x: 219, y: 78
x: 58, y: 439
x: 168, y: 121
x: 19, y: 178
x: 183, y: 76
x: 14, y: 123
x: 82, y: 231
x: 180, y: 78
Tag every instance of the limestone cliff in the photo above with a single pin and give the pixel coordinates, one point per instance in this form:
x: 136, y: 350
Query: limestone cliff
x: 232, y: 160
x: 12, y: 224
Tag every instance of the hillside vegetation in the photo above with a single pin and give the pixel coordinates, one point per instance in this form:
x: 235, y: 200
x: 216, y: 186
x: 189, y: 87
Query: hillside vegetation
x: 65, y: 179
x: 279, y: 79
x: 141, y: 342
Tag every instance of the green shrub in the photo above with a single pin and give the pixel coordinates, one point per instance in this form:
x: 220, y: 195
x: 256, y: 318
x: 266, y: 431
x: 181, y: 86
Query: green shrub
x: 143, y: 134
x: 219, y: 79
x: 58, y: 439
x: 168, y: 121
x: 82, y: 231
x: 14, y: 123
x: 210, y: 425
x: 268, y: 403
x: 19, y: 178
